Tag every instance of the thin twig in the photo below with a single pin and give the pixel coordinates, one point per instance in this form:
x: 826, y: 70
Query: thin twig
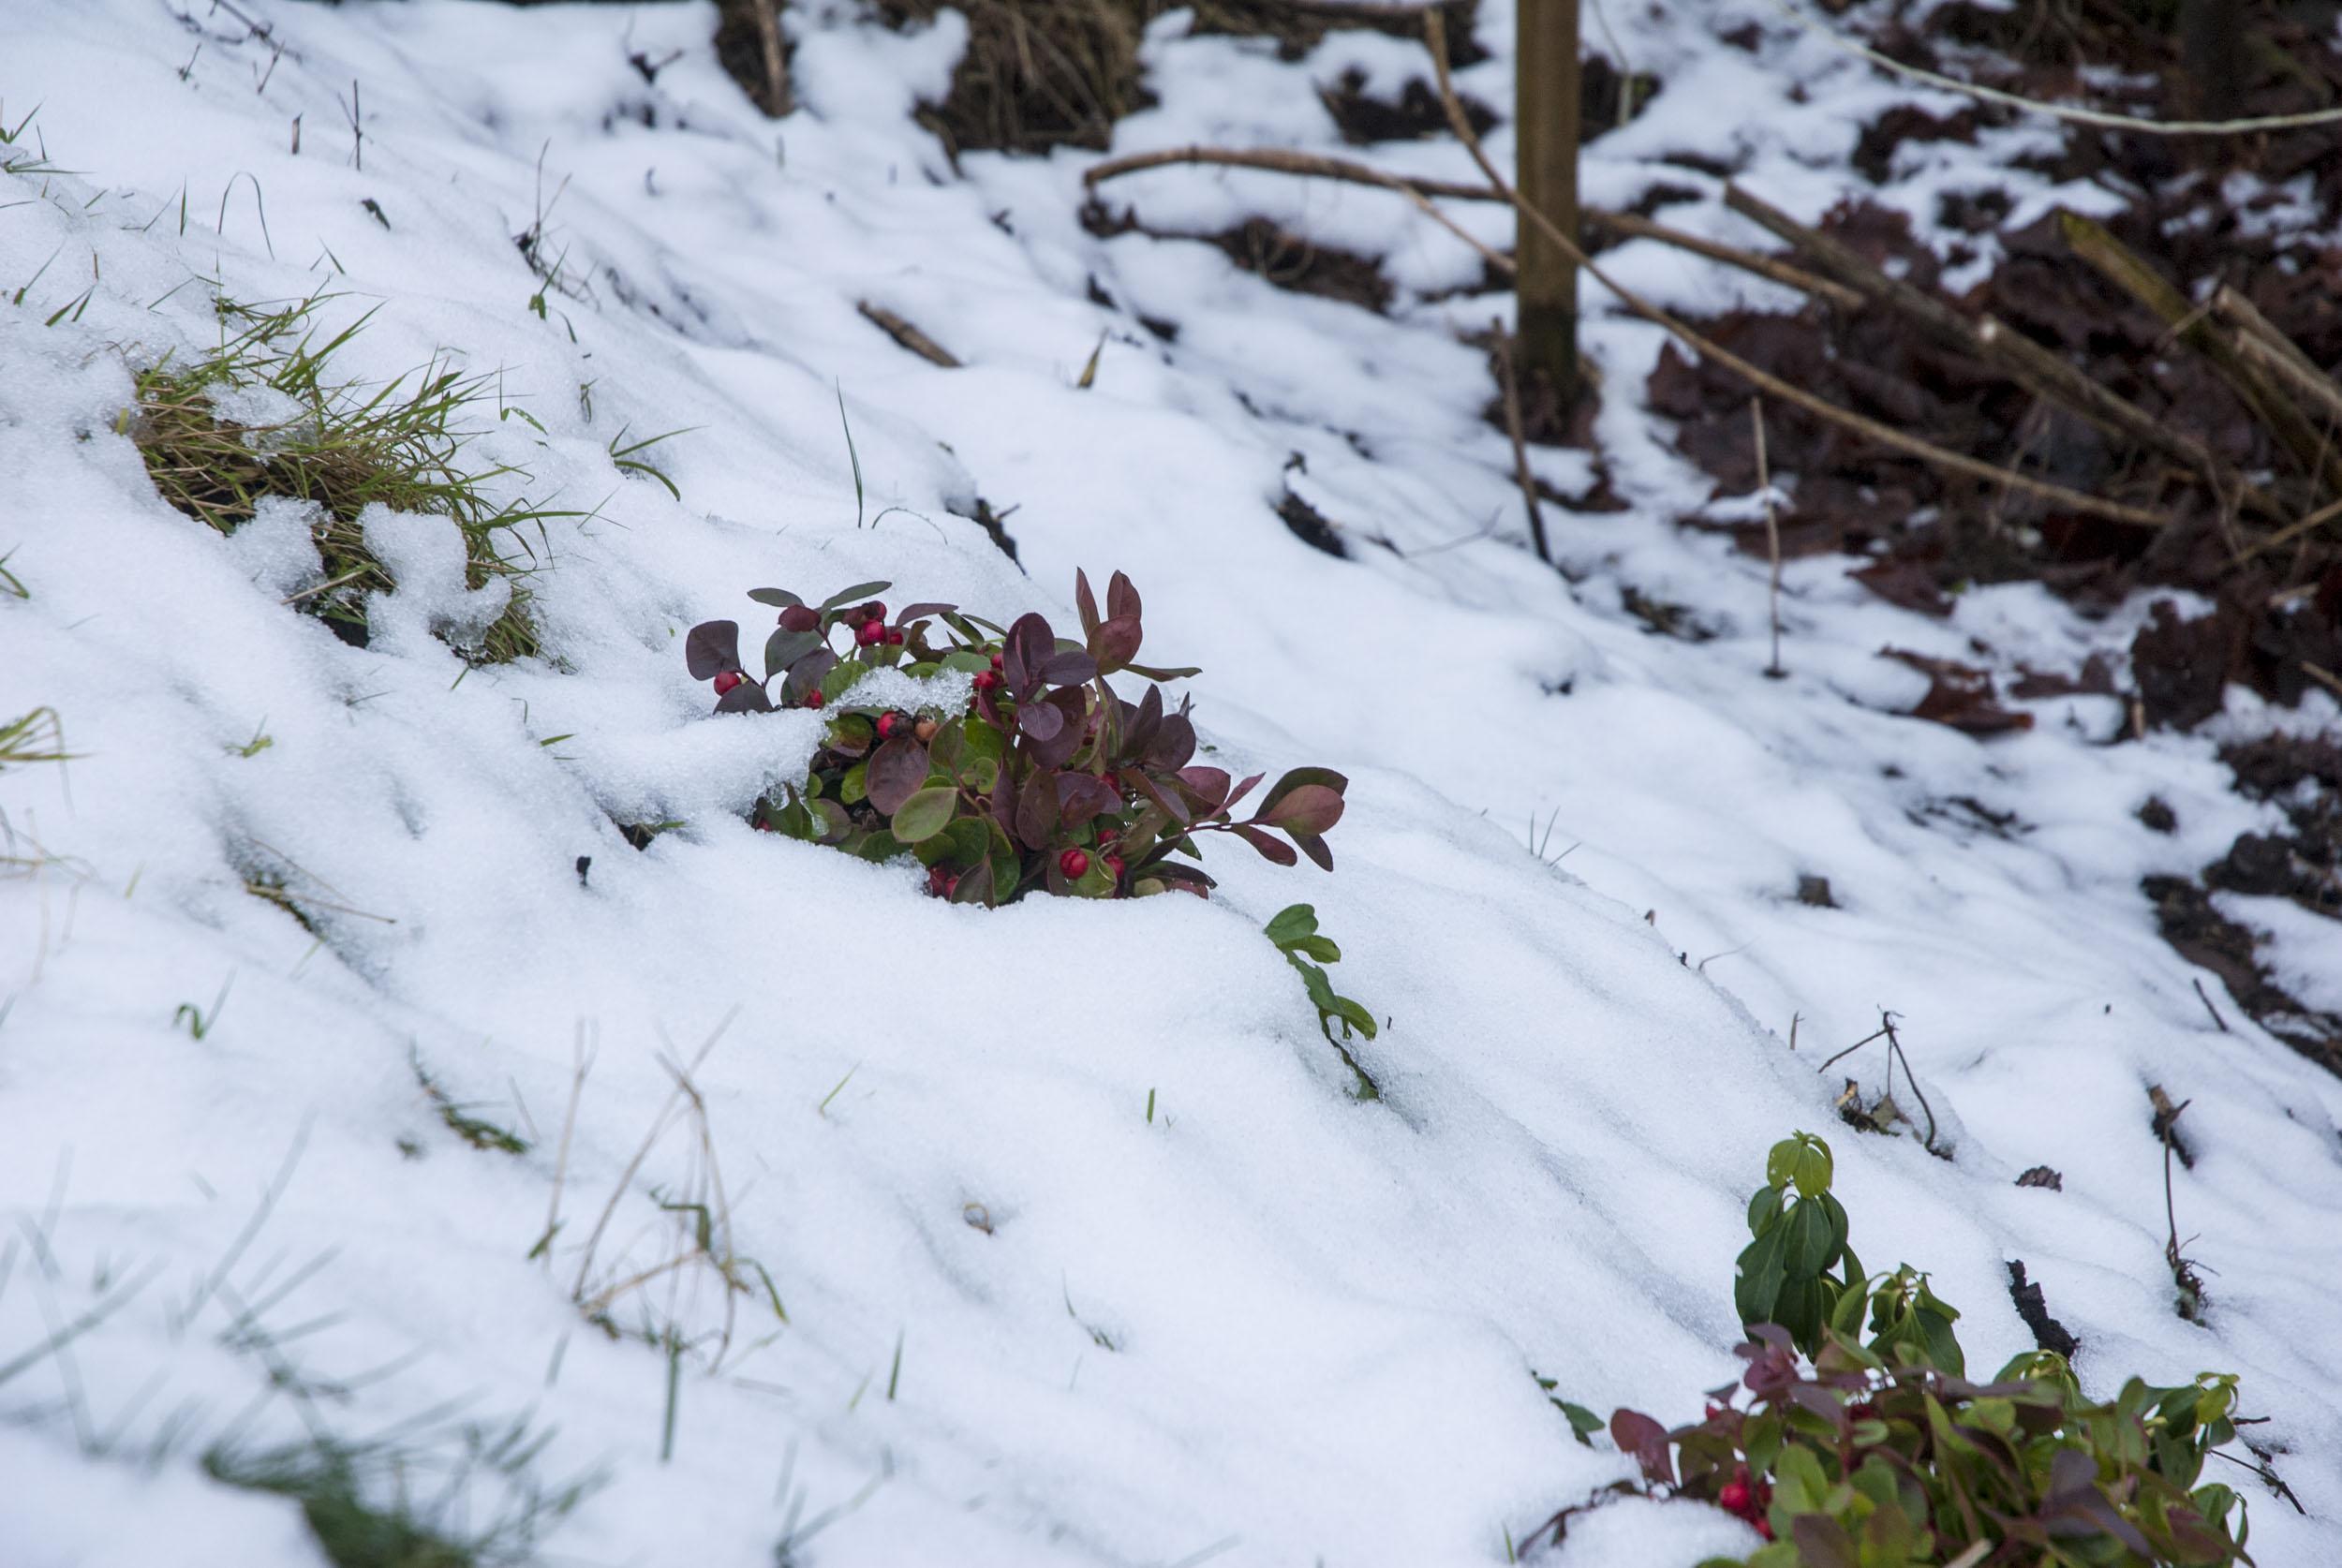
x: 2073, y: 500
x: 1522, y: 473
x: 908, y: 336
x: 1772, y: 535
x: 2207, y: 1005
x: 1849, y: 1050
x: 1624, y: 226
x: 2100, y: 119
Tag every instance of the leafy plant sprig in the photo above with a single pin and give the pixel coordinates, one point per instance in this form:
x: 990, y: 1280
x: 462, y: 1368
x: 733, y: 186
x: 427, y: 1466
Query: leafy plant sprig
x: 1295, y: 933
x: 1883, y: 1455
x: 1042, y: 778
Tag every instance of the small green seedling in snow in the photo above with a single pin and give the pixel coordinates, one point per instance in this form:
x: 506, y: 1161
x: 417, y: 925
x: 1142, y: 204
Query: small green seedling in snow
x: 1295, y: 933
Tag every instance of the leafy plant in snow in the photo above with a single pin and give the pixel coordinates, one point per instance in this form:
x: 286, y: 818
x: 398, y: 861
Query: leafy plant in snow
x: 1041, y: 777
x: 1295, y: 933
x: 1871, y: 1448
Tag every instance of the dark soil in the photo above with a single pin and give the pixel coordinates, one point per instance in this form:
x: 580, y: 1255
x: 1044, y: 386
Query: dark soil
x: 1275, y: 255
x: 2278, y: 616
x: 1039, y: 74
x: 1310, y: 526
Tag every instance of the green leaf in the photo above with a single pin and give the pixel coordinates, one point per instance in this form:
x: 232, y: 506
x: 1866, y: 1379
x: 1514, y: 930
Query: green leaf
x: 854, y: 788
x: 1815, y: 1168
x: 1780, y: 1162
x: 967, y: 661
x: 1764, y: 1208
x: 1291, y: 924
x: 1807, y: 1251
x: 926, y: 813
x: 1583, y: 1423
x: 1757, y: 1283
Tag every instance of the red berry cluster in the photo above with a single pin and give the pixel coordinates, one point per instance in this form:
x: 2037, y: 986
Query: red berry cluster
x: 870, y: 627
x: 1749, y: 1497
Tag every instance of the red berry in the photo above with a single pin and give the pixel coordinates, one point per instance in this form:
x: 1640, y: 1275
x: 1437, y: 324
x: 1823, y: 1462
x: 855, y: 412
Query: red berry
x: 987, y: 680
x: 873, y: 611
x: 996, y: 661
x: 813, y: 699
x: 1715, y: 1410
x: 1074, y: 863
x: 950, y: 886
x: 871, y: 634
x: 895, y: 637
x: 1764, y: 1527
x: 727, y: 680
x: 1114, y: 864
x: 1734, y: 1498
x: 887, y: 724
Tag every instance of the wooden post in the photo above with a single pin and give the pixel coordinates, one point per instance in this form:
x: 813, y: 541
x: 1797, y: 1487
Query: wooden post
x: 1545, y: 121
x: 2211, y: 52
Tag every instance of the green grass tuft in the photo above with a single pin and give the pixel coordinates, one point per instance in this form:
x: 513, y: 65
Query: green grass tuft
x: 345, y: 447
x: 361, y: 1503
x: 38, y: 736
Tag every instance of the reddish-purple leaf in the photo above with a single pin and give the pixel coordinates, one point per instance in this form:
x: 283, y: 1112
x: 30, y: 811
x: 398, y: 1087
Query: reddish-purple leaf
x: 1311, y: 808
x: 1140, y: 732
x: 1121, y: 600
x: 1169, y: 800
x: 748, y: 697
x: 975, y: 884
x: 1637, y: 1434
x: 1270, y: 848
x: 784, y: 647
x: 799, y: 619
x: 806, y: 673
x: 1173, y: 744
x: 780, y: 598
x: 712, y: 648
x: 1208, y: 787
x: 1036, y: 810
x: 1059, y: 748
x: 1178, y: 875
x: 1082, y: 796
x: 898, y: 771
x: 910, y: 613
x: 1243, y: 789
x: 1084, y: 601
x: 1315, y: 848
x: 1072, y: 667
x: 1293, y: 778
x: 1030, y: 646
x: 1115, y: 643
x: 1040, y: 720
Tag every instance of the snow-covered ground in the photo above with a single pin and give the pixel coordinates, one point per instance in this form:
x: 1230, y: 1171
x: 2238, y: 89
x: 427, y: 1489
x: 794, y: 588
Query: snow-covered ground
x: 1087, y: 1253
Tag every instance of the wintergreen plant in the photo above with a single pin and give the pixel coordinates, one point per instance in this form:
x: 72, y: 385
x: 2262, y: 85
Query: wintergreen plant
x: 1040, y: 777
x: 1878, y: 1452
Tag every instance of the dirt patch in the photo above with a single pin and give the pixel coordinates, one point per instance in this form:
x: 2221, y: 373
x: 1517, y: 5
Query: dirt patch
x: 1276, y: 255
x: 1413, y: 115
x: 2253, y: 213
x: 1310, y: 526
x: 1039, y: 74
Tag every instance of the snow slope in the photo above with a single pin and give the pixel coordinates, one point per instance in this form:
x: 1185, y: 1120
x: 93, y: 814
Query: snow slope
x: 1087, y: 1256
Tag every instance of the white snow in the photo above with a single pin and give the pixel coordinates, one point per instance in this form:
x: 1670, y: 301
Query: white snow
x: 1268, y: 1325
